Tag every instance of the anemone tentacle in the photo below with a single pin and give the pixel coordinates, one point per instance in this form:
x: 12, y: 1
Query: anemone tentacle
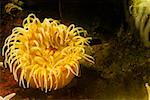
x: 45, y: 54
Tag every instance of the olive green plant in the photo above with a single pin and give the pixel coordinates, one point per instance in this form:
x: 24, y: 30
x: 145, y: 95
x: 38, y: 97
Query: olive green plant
x: 140, y: 10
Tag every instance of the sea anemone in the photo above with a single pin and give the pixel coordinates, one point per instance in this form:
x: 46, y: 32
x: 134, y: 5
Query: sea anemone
x: 148, y: 90
x: 10, y: 6
x: 8, y: 97
x: 45, y: 55
x: 140, y: 10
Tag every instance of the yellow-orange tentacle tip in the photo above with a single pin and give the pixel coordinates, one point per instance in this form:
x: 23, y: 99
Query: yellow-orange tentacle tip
x: 45, y: 54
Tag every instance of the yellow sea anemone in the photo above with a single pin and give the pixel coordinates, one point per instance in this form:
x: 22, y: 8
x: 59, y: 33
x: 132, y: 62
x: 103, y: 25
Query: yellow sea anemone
x: 140, y: 10
x: 10, y: 6
x: 45, y: 55
x: 8, y: 97
x: 148, y: 90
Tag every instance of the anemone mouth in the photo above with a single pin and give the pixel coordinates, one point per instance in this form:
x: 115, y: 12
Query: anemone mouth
x: 47, y: 54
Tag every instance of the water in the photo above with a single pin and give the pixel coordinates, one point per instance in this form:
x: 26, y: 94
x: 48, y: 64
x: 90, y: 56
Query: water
x: 121, y: 67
